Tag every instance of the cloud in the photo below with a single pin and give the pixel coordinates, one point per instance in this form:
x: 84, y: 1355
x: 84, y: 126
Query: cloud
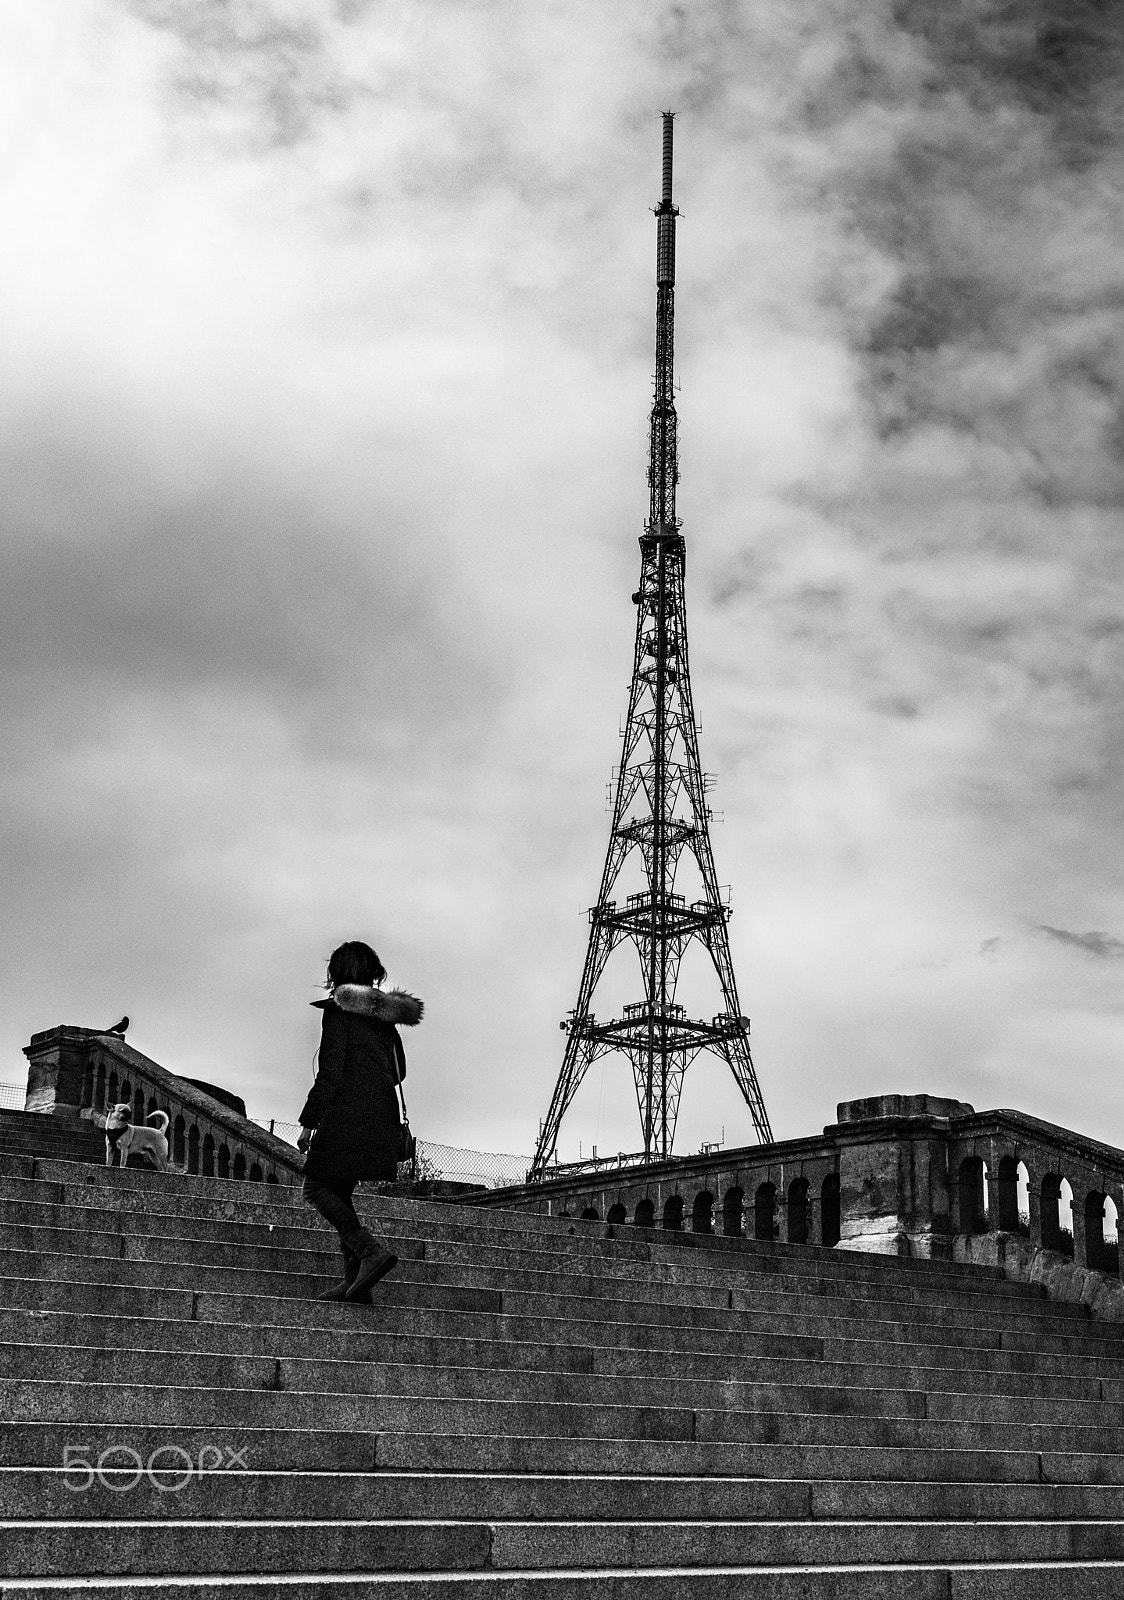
x: 325, y: 424
x: 1101, y: 945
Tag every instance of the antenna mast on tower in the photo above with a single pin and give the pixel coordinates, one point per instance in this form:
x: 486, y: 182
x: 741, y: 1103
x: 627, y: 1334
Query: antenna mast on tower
x: 659, y: 812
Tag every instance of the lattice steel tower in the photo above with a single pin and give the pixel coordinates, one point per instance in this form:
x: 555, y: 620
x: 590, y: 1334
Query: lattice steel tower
x: 659, y: 812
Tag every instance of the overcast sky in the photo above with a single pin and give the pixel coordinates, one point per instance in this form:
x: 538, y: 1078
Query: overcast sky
x: 324, y: 376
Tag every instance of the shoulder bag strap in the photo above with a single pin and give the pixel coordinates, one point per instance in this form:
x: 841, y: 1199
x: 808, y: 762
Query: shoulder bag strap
x: 399, y: 1071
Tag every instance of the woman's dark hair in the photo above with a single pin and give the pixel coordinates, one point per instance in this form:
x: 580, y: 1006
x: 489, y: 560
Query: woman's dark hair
x: 354, y: 962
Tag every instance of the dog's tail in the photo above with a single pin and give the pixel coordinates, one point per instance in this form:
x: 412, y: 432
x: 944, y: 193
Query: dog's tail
x: 158, y: 1119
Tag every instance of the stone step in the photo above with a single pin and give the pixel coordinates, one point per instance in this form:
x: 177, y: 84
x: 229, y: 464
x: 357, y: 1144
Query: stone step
x: 457, y: 1313
x: 187, y: 1546
x: 865, y: 1362
x: 144, y: 1271
x: 140, y: 1187
x: 64, y: 1293
x: 142, y: 1177
x: 42, y: 1443
x: 627, y: 1259
x: 1106, y: 1332
x: 171, y: 1486
x: 916, y: 1463
x: 301, y: 1229
x: 73, y: 1151
x: 144, y: 1239
x: 210, y: 1197
x: 46, y: 1138
x: 29, y: 1399
x: 345, y: 1333
x: 843, y: 1389
x: 590, y: 1323
x: 16, y: 1119
x: 175, y: 1488
x: 1029, y: 1581
x: 898, y: 1420
x: 127, y: 1258
x: 34, y: 1124
x: 863, y: 1392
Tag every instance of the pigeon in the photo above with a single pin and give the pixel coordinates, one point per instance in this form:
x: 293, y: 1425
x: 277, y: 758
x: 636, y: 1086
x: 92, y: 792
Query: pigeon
x: 119, y: 1028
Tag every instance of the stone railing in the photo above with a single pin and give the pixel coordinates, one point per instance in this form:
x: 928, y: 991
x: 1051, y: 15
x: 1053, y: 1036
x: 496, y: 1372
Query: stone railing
x: 1041, y: 1203
x: 787, y: 1191
x: 910, y: 1175
x: 77, y: 1073
x: 926, y: 1177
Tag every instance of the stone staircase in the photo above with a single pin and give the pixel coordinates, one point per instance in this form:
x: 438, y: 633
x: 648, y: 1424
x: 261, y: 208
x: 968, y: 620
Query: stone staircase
x: 27, y: 1133
x: 533, y: 1407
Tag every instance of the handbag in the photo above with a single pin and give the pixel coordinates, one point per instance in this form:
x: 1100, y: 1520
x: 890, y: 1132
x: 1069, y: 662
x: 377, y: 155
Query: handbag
x: 407, y: 1144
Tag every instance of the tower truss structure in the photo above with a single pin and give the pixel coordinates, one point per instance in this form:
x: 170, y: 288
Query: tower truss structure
x: 660, y: 814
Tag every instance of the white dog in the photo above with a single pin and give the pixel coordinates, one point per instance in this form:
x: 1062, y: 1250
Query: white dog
x: 123, y: 1134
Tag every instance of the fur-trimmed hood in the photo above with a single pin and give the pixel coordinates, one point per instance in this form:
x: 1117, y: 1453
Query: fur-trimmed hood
x: 387, y: 1005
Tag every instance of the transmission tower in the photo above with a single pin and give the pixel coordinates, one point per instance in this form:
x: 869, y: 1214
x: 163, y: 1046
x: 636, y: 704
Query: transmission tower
x: 659, y: 812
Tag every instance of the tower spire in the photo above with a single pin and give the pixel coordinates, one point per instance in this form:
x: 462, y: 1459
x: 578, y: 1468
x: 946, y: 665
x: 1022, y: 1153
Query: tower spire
x: 663, y: 447
x: 660, y: 815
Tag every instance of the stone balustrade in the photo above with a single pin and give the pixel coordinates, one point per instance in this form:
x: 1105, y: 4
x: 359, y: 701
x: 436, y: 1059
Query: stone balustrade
x: 77, y: 1073
x: 912, y: 1175
x: 788, y: 1190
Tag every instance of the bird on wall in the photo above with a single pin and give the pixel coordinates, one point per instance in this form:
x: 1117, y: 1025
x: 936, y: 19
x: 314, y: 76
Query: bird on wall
x: 119, y: 1028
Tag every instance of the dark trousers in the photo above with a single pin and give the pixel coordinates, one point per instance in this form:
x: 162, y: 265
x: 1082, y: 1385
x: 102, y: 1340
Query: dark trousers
x: 333, y: 1201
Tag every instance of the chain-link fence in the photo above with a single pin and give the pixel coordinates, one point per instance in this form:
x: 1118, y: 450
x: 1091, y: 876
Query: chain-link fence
x: 486, y: 1169
x: 12, y: 1096
x: 289, y: 1131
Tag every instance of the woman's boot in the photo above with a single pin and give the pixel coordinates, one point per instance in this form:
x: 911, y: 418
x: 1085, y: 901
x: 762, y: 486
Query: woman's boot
x: 338, y: 1291
x: 375, y: 1264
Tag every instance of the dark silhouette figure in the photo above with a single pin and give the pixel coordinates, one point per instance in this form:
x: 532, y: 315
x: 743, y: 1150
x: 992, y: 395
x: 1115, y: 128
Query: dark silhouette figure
x: 119, y: 1028
x: 350, y: 1124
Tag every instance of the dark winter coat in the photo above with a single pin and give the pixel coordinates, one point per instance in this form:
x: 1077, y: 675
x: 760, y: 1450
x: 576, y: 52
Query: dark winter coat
x: 353, y: 1105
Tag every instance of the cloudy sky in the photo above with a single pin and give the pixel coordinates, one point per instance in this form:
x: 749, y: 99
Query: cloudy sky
x: 324, y: 377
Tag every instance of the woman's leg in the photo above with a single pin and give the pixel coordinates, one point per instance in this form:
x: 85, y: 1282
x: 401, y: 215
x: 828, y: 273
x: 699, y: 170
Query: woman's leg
x: 332, y: 1198
x: 333, y: 1201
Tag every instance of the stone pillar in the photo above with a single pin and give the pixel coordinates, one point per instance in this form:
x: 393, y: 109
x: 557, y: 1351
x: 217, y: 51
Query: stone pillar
x: 893, y: 1174
x: 1080, y: 1243
x: 1034, y: 1200
x: 995, y: 1154
x: 56, y: 1068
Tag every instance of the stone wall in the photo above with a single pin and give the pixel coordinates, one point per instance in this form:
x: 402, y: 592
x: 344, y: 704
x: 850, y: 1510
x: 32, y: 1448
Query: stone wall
x: 911, y: 1175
